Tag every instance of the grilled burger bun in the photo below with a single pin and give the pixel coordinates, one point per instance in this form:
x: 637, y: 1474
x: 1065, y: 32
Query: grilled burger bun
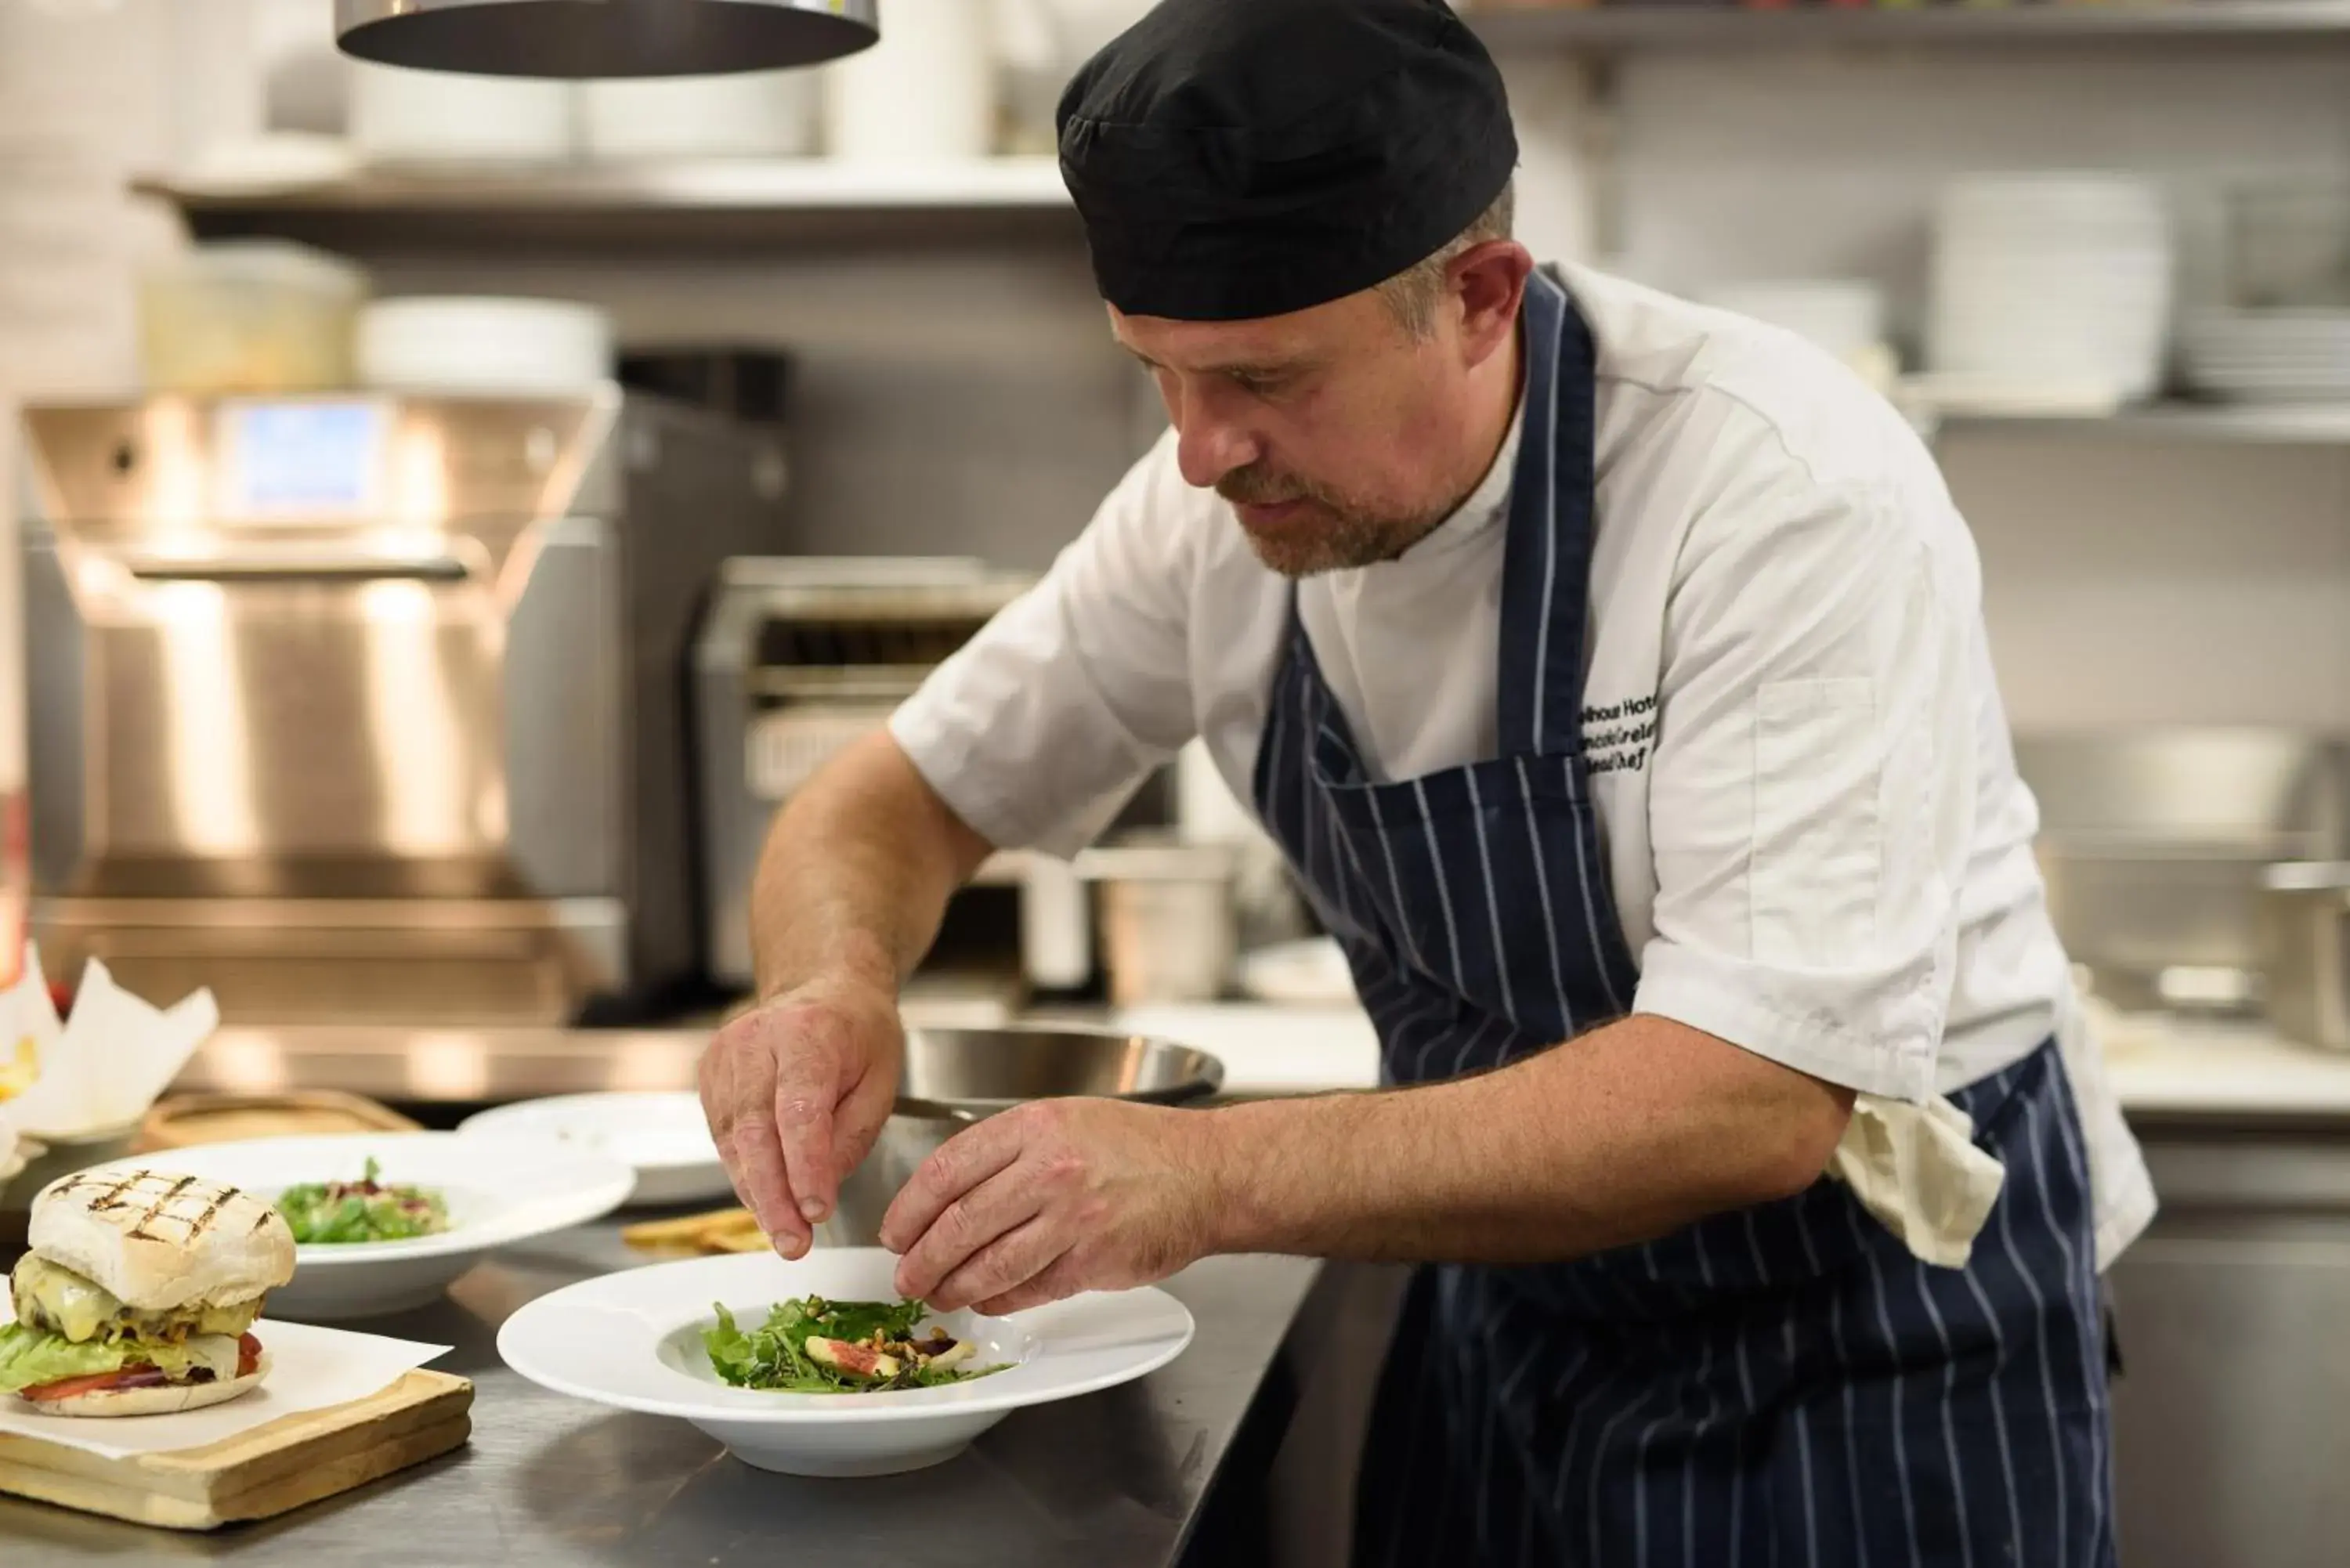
x: 138, y: 1291
x: 155, y: 1240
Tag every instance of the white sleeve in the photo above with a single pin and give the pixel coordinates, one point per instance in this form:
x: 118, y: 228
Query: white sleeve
x: 1813, y: 787
x: 1041, y: 727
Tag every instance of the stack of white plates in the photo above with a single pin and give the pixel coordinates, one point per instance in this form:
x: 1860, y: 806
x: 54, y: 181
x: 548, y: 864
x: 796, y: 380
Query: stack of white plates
x: 2268, y: 355
x: 757, y: 114
x: 2062, y: 278
x: 401, y: 117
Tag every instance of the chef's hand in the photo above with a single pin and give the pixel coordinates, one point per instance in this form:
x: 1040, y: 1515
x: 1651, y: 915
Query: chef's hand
x: 1051, y: 1198
x: 796, y: 1091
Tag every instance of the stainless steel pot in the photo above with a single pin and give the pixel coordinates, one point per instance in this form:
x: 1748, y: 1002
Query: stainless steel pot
x: 2305, y: 950
x: 954, y: 1077
x: 1171, y: 931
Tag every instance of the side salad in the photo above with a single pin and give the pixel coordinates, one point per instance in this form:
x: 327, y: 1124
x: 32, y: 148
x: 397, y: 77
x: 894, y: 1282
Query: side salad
x: 811, y: 1346
x: 334, y: 1212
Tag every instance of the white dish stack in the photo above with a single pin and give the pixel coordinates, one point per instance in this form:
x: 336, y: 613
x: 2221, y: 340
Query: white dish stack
x: 401, y: 117
x: 2044, y: 281
x: 1845, y: 317
x: 2268, y: 356
x: 758, y: 114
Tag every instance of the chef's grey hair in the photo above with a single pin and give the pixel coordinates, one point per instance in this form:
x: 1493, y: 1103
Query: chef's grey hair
x: 1412, y: 294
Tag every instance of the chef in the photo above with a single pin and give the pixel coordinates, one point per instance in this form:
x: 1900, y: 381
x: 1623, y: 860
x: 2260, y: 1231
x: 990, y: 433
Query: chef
x: 1613, y: 675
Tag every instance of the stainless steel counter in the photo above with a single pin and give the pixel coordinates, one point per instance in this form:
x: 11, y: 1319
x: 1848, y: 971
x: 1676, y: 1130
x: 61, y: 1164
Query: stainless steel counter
x: 1123, y: 1479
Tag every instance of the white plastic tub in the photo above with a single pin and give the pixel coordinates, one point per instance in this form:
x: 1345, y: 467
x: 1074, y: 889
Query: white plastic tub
x: 482, y: 345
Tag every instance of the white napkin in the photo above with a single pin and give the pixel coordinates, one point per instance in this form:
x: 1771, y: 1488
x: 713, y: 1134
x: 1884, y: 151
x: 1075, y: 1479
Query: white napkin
x: 107, y: 1063
x: 29, y: 1027
x: 310, y: 1368
x: 1918, y: 1171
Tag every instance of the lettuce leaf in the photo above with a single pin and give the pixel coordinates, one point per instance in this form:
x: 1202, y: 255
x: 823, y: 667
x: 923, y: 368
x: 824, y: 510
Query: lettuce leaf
x: 774, y: 1355
x: 29, y: 1357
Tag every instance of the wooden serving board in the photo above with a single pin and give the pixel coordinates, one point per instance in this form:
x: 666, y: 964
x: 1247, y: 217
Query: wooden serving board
x: 292, y: 1461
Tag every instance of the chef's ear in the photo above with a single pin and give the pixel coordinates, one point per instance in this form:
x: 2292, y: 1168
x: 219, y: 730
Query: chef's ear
x: 1486, y: 284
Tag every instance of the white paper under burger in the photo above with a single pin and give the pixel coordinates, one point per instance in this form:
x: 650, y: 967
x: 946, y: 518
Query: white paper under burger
x: 484, y: 344
x: 310, y: 1368
x: 400, y: 116
x: 758, y: 114
x: 2056, y: 277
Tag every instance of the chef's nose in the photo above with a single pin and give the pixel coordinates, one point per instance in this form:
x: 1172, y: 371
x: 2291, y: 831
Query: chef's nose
x: 1210, y: 443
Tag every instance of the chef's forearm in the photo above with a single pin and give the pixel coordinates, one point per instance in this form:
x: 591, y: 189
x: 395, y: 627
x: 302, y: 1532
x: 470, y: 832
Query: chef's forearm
x: 1625, y: 1134
x: 857, y: 873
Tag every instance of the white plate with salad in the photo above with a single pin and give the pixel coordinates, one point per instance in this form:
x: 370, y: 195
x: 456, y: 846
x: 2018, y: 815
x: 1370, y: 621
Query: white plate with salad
x: 815, y: 1367
x: 662, y: 1137
x: 385, y: 1221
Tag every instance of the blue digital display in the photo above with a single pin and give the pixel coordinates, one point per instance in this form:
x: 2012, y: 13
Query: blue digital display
x: 304, y: 457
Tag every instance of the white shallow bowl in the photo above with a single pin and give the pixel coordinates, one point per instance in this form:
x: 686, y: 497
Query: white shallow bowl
x: 499, y: 1190
x: 662, y: 1137
x: 633, y: 1340
x: 479, y: 345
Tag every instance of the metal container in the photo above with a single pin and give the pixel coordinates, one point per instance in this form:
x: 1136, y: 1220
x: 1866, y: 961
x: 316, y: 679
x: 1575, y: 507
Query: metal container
x: 2154, y: 843
x: 1169, y: 926
x: 954, y: 1077
x: 2305, y: 950
x: 798, y: 657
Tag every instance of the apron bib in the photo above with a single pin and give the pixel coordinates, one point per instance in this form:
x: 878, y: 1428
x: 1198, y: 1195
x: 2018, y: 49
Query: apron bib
x: 1783, y: 1385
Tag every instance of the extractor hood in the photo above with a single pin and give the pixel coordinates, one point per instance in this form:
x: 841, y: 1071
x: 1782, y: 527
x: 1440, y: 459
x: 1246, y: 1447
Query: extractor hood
x: 603, y: 38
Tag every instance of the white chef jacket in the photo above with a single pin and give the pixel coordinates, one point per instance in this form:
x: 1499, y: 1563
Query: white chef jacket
x: 1818, y: 843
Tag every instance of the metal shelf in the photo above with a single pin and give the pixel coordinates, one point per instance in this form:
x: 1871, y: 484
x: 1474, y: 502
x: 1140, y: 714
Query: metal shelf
x: 636, y: 204
x: 1632, y: 24
x: 2304, y: 424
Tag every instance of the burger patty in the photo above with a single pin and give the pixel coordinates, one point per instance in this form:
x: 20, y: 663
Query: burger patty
x: 60, y: 1301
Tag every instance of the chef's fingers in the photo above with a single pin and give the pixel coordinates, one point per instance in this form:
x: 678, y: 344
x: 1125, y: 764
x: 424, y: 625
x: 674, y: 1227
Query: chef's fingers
x: 1011, y: 1261
x: 857, y: 1123
x: 961, y: 1163
x: 761, y: 1178
x: 1064, y: 1279
x: 737, y: 1082
x: 805, y: 1096
x: 1009, y: 1198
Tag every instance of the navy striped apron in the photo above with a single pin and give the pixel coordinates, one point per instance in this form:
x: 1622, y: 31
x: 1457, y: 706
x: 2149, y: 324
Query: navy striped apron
x: 1784, y: 1384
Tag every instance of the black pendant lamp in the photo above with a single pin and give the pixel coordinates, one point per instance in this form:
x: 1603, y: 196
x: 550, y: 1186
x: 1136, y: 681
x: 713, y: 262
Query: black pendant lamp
x: 603, y: 38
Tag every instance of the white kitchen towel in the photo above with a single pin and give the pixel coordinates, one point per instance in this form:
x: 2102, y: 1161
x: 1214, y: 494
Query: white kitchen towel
x: 1917, y: 1169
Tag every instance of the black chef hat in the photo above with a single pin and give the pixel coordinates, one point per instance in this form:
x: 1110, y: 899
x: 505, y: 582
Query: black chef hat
x: 1235, y: 158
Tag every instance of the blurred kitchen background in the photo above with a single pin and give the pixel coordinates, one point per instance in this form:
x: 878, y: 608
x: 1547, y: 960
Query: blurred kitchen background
x: 433, y: 728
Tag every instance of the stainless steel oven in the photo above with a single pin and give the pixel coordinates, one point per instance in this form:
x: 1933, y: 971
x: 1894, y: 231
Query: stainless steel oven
x: 363, y: 708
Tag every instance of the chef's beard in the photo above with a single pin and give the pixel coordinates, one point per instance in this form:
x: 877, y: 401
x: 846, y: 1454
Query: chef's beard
x: 1347, y: 534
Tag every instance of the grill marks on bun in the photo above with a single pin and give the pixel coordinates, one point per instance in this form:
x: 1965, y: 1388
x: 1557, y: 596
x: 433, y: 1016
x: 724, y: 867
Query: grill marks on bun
x: 161, y: 1207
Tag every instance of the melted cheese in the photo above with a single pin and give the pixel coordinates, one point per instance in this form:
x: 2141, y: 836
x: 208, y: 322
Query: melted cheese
x: 59, y: 1299
x: 216, y: 1351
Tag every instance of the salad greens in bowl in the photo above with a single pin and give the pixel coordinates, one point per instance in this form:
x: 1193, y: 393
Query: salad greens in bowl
x: 322, y: 1213
x: 811, y: 1346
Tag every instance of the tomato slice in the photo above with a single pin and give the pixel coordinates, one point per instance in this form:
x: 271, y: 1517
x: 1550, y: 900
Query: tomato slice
x: 138, y: 1375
